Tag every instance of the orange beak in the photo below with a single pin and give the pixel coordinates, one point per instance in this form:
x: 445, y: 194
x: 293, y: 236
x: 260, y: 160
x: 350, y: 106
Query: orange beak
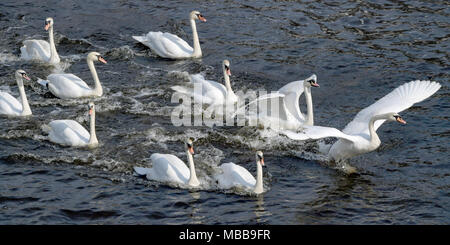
x: 47, y: 26
x: 90, y: 111
x: 102, y: 60
x: 262, y: 162
x: 315, y: 85
x: 400, y: 120
x: 191, y: 150
x: 202, y: 18
x: 228, y: 72
x: 26, y: 77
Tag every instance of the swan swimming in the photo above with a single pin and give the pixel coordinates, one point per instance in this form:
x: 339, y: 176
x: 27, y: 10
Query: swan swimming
x: 287, y: 115
x: 169, y: 168
x: 236, y: 176
x: 170, y: 46
x: 212, y: 92
x: 40, y: 49
x: 69, y: 86
x: 10, y: 105
x: 71, y: 133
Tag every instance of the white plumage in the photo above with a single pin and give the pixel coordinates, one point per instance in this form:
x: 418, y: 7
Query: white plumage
x: 359, y: 136
x: 170, y: 46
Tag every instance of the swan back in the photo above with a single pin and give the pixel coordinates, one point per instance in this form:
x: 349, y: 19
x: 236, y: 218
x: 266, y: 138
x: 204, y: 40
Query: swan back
x: 168, y: 168
x: 235, y: 175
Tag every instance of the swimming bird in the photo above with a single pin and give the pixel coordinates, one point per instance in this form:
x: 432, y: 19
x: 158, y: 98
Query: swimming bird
x: 40, y: 49
x: 210, y: 92
x: 234, y: 175
x: 169, y: 168
x: 170, y: 46
x: 10, y: 105
x: 71, y: 133
x: 69, y: 86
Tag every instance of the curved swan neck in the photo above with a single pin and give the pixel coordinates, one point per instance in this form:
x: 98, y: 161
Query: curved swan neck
x: 197, y: 50
x: 98, y: 90
x: 54, y: 57
x: 374, y: 139
x: 25, y: 106
x: 259, y: 178
x: 309, y: 107
x: 193, y: 181
x: 93, y: 137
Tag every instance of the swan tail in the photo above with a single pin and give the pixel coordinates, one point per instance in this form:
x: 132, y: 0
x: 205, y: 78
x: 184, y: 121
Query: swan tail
x: 139, y: 38
x: 141, y: 171
x: 42, y: 82
x: 181, y: 89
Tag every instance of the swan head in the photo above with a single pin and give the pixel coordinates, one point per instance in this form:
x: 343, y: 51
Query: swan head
x: 226, y: 67
x: 260, y: 158
x: 195, y: 15
x: 189, y: 146
x: 91, y: 107
x: 22, y: 74
x: 311, y: 81
x: 48, y: 23
x: 395, y: 117
x: 96, y: 56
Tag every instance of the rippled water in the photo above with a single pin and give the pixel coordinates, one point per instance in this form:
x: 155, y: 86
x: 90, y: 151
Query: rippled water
x: 360, y: 50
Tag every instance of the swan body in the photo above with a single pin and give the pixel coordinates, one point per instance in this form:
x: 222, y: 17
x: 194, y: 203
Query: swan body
x: 40, y: 49
x: 211, y: 92
x: 236, y: 176
x: 283, y: 106
x: 71, y: 133
x: 169, y: 168
x: 69, y: 86
x: 359, y: 136
x: 10, y: 105
x: 170, y: 46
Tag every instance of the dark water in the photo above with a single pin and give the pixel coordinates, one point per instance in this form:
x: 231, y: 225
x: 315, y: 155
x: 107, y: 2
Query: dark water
x: 360, y: 50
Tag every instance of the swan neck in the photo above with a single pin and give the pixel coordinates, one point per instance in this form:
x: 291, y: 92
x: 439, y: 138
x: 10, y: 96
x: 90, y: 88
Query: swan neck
x: 54, y: 57
x: 227, y: 81
x: 193, y: 181
x: 93, y: 137
x: 259, y: 178
x: 309, y: 107
x: 197, y: 50
x: 373, y: 134
x: 26, y: 110
x: 98, y: 90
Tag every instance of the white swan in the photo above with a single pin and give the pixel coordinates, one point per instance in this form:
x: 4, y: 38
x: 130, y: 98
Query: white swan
x: 40, y: 49
x: 71, y: 133
x: 210, y: 92
x: 168, y: 45
x: 234, y: 175
x: 169, y: 168
x: 283, y: 106
x: 69, y: 86
x: 10, y: 105
x: 359, y: 136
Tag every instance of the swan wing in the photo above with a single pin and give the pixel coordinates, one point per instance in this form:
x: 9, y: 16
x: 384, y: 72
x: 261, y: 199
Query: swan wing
x: 212, y: 92
x: 35, y: 49
x: 398, y: 100
x: 166, y: 44
x: 292, y: 92
x: 319, y: 132
x: 168, y: 168
x: 235, y: 175
x: 67, y: 86
x: 9, y: 105
x: 68, y: 132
